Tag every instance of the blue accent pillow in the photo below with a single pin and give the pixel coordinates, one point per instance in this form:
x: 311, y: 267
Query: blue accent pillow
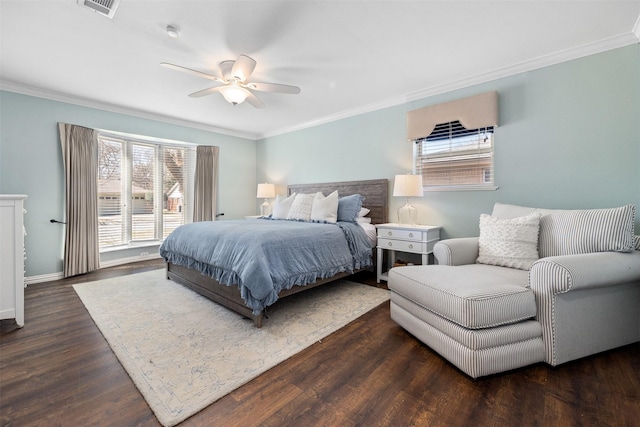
x: 349, y: 206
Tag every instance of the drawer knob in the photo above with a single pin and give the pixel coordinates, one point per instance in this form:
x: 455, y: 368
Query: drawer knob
x: 390, y: 244
x: 390, y: 233
x: 410, y: 234
x: 410, y: 246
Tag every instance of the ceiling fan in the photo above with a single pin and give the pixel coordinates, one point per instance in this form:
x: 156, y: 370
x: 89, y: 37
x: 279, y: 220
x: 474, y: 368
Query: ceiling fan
x: 234, y: 84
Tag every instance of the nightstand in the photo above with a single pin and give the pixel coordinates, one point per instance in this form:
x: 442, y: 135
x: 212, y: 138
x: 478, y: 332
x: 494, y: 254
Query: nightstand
x: 415, y: 239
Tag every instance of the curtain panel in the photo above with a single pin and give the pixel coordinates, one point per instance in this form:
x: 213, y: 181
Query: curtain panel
x: 206, y: 183
x: 80, y: 157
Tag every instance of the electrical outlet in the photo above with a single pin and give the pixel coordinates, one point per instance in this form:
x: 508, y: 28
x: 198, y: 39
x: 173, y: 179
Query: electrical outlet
x: 144, y: 253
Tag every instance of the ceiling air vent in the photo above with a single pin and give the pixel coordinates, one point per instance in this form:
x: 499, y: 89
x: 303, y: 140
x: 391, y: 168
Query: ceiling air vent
x: 103, y: 7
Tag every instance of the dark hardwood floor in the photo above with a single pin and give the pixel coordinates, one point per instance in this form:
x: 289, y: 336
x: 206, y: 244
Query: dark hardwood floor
x: 59, y: 371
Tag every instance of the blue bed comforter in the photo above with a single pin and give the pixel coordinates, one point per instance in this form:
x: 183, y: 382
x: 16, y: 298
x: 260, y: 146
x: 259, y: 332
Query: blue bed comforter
x: 264, y: 256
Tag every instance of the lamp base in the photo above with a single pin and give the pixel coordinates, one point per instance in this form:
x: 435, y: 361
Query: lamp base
x: 407, y: 214
x: 265, y: 208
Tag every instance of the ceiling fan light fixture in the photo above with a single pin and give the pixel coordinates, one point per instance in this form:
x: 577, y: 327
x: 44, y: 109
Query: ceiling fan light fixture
x: 235, y: 85
x: 234, y: 94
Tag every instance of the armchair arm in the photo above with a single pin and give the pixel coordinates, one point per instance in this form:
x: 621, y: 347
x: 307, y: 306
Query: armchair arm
x: 573, y: 328
x: 559, y: 274
x: 459, y: 251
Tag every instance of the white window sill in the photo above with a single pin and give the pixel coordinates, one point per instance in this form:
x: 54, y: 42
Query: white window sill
x: 133, y: 245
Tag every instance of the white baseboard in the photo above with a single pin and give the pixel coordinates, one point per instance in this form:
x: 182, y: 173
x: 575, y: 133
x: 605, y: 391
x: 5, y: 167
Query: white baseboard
x: 50, y: 277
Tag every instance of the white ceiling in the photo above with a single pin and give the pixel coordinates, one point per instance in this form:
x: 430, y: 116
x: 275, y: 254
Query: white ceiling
x: 348, y: 57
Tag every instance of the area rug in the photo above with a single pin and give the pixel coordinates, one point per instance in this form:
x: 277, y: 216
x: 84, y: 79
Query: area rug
x: 184, y: 351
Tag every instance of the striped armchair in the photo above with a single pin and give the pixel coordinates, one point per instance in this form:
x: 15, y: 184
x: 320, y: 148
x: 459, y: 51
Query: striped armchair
x: 535, y: 286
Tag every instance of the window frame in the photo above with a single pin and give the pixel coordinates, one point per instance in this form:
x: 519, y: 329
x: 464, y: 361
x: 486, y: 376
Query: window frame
x: 126, y: 210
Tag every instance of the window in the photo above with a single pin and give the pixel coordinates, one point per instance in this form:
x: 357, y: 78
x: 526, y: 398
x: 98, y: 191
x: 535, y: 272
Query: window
x: 453, y: 157
x: 448, y: 155
x: 144, y: 190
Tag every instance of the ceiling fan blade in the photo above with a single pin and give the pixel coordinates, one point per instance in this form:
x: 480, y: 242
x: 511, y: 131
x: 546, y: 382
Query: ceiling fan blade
x: 273, y: 87
x: 243, y: 67
x: 254, y: 100
x: 205, y: 92
x: 194, y: 72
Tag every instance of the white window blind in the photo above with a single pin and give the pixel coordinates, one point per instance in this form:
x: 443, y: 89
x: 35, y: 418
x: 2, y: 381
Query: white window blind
x: 145, y: 190
x: 110, y: 193
x: 455, y: 158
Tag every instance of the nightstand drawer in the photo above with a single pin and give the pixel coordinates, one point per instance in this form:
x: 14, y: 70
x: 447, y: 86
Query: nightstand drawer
x: 401, y: 245
x: 400, y: 234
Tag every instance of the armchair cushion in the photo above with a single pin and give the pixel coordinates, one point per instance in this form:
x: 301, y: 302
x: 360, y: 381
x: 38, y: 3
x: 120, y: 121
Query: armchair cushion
x: 587, y: 231
x: 473, y: 296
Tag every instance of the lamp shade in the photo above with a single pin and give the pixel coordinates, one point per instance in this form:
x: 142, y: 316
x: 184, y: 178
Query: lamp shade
x: 408, y: 186
x: 266, y: 191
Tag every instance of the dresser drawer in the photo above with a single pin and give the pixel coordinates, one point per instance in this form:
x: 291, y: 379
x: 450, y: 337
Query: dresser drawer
x: 401, y: 245
x: 400, y: 234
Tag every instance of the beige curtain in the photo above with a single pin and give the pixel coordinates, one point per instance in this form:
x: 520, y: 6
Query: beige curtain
x: 80, y: 157
x: 206, y: 183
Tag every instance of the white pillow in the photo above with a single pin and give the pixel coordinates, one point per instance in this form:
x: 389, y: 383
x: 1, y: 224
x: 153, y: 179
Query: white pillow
x: 363, y: 220
x: 363, y: 212
x: 325, y: 208
x: 509, y: 242
x: 282, y: 206
x: 301, y: 207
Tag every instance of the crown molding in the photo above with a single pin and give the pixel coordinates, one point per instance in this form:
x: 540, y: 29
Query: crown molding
x: 84, y: 102
x: 536, y: 63
x: 533, y: 64
x: 345, y: 114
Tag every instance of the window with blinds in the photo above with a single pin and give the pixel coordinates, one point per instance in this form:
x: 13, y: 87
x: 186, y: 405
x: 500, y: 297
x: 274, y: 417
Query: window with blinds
x: 144, y: 190
x: 455, y: 158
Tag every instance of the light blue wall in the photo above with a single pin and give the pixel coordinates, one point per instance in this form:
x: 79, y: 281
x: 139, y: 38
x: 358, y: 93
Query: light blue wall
x: 569, y: 137
x: 31, y: 164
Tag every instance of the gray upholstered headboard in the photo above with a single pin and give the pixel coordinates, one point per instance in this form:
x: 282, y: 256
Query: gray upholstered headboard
x: 375, y: 192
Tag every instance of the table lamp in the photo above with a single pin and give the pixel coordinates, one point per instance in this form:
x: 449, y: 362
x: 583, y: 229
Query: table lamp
x: 407, y: 186
x: 266, y: 191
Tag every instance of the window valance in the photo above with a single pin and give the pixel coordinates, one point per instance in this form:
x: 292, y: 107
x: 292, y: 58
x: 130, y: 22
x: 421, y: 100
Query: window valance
x: 473, y: 112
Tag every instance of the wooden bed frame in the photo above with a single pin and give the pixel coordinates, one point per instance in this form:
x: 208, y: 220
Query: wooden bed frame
x: 376, y: 197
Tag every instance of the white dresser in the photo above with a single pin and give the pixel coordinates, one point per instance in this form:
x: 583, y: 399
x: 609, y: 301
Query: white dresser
x: 12, y: 257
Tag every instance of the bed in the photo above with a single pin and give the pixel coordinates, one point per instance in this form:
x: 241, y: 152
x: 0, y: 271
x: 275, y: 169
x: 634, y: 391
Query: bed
x: 228, y: 286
